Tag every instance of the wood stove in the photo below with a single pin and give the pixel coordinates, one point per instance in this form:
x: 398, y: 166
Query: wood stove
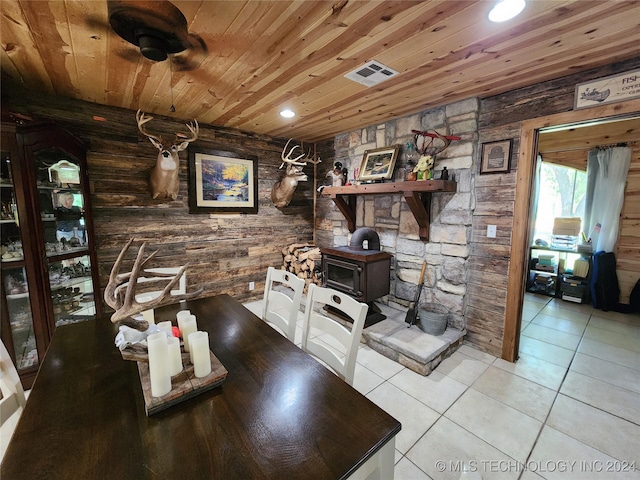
x: 361, y: 273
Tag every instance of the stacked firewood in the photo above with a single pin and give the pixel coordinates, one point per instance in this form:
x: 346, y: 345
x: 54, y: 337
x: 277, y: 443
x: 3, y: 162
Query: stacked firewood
x: 304, y: 261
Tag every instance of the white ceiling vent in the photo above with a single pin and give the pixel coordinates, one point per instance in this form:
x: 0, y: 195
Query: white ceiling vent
x: 371, y: 73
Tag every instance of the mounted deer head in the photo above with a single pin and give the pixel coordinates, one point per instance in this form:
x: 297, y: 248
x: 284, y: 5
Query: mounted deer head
x: 120, y: 292
x: 282, y: 191
x: 164, y: 175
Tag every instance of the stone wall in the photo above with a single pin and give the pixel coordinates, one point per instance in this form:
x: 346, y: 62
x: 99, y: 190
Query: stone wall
x: 468, y: 272
x: 447, y: 251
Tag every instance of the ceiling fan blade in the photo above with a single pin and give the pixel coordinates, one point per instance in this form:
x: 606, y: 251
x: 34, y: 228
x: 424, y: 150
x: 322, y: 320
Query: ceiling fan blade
x: 193, y: 55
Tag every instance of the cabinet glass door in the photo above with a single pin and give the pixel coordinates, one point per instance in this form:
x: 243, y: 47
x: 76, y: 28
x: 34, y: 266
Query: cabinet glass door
x: 62, y: 212
x: 71, y: 290
x: 14, y: 277
x: 20, y: 317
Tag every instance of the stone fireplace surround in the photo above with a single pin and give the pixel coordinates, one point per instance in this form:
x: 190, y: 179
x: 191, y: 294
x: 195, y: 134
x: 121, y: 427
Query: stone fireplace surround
x: 448, y: 249
x: 450, y: 232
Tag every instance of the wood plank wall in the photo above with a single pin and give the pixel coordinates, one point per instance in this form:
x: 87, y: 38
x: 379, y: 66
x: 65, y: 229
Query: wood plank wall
x: 225, y: 251
x: 500, y: 118
x: 488, y: 262
x: 228, y: 251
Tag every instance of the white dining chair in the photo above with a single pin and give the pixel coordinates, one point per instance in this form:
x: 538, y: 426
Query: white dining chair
x: 317, y: 299
x: 13, y: 398
x: 278, y: 308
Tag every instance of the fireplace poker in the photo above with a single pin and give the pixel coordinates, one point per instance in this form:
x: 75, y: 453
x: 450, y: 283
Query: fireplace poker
x: 412, y: 313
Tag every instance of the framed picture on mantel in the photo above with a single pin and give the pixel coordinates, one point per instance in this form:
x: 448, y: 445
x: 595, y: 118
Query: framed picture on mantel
x: 496, y: 157
x: 377, y: 164
x: 222, y: 182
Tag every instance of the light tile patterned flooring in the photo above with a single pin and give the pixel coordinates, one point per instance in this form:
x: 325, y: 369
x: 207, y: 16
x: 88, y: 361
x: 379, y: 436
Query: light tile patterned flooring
x: 568, y: 408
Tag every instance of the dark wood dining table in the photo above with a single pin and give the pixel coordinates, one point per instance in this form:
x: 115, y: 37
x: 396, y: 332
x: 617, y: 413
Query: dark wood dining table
x: 279, y: 414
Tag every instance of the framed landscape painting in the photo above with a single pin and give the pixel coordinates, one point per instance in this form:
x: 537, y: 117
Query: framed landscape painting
x: 224, y: 182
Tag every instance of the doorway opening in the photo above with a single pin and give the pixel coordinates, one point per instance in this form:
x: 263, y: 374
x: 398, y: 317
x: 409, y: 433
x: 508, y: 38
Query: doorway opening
x: 560, y: 130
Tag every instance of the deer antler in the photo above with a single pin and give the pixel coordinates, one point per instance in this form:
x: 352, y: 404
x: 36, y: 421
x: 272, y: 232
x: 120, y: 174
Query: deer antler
x: 287, y: 159
x: 141, y: 119
x: 311, y: 159
x: 120, y: 292
x: 427, y: 147
x: 446, y: 142
x: 194, y: 128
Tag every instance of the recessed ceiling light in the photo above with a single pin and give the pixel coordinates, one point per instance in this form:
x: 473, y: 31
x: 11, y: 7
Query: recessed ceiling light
x: 287, y: 113
x: 506, y: 10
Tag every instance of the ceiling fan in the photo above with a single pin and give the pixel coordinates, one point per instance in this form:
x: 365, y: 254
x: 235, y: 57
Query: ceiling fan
x: 159, y: 30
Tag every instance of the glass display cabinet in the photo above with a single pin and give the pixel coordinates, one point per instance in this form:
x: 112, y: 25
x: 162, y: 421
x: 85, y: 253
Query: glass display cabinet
x: 17, y: 315
x: 48, y: 255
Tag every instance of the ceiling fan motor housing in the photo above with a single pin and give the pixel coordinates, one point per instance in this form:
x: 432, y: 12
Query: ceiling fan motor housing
x: 157, y: 28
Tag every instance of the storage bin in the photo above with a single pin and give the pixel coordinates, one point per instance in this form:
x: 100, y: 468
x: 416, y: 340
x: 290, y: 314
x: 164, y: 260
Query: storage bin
x: 564, y: 242
x: 581, y: 268
x: 573, y: 290
x: 546, y: 259
x: 585, y: 248
x: 566, y: 226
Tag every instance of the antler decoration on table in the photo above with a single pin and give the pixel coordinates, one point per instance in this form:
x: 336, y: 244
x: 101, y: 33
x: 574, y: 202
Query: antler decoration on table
x: 120, y: 293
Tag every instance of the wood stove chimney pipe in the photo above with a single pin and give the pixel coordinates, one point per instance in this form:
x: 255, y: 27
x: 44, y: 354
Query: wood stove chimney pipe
x: 362, y: 234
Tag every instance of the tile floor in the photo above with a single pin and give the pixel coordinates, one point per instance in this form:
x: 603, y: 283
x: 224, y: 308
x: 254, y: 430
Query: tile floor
x: 568, y: 408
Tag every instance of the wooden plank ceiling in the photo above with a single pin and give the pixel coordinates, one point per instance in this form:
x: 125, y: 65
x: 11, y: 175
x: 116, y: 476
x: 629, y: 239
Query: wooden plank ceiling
x: 570, y: 145
x: 262, y: 56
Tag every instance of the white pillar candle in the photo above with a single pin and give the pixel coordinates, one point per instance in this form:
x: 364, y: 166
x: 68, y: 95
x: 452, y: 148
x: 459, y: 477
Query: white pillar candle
x: 190, y: 354
x: 147, y: 314
x: 175, y: 357
x: 159, y: 364
x: 182, y: 314
x: 187, y: 325
x: 166, y: 326
x: 199, y: 342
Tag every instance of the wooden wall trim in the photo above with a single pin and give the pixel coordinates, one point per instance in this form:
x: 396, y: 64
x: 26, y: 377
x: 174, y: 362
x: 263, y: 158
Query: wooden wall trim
x: 522, y: 208
x: 519, y: 242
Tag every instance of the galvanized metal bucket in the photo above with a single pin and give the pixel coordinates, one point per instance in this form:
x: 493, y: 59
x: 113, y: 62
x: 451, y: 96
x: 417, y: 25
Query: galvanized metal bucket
x: 433, y: 318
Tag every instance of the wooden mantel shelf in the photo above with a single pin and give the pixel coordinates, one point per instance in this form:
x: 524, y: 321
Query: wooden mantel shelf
x: 417, y: 194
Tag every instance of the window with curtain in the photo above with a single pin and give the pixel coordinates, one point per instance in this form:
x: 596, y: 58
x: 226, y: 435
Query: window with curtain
x: 561, y: 193
x: 608, y: 168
